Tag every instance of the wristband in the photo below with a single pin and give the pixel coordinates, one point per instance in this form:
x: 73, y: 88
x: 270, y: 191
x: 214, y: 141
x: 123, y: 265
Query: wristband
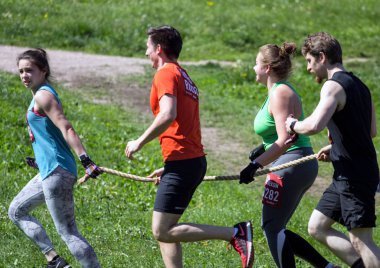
x: 257, y: 164
x: 85, y: 160
x: 83, y: 157
x: 291, y: 126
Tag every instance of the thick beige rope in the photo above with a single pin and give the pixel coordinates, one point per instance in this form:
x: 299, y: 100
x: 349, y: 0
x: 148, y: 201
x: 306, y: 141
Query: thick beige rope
x: 267, y: 170
x: 207, y: 178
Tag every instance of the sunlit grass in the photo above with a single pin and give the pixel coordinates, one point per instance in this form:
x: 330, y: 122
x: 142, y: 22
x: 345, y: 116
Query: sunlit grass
x: 229, y: 30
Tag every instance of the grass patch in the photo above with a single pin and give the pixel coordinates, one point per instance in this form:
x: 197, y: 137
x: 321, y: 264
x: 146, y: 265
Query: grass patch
x: 118, y: 27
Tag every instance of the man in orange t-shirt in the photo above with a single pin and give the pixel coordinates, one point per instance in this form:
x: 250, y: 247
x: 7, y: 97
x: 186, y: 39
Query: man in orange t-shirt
x: 182, y: 139
x: 175, y: 105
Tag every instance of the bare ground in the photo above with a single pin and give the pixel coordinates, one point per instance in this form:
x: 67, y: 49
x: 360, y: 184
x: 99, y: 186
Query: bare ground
x: 78, y: 70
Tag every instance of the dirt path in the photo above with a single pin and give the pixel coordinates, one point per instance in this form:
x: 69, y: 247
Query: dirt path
x: 69, y: 67
x: 78, y: 70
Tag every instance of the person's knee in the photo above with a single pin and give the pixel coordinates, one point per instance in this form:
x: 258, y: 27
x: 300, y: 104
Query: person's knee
x: 68, y: 232
x: 156, y: 232
x: 161, y: 232
x: 163, y: 227
x: 317, y: 231
x: 12, y: 212
x: 313, y: 229
x: 316, y: 226
x: 271, y: 232
x: 63, y: 234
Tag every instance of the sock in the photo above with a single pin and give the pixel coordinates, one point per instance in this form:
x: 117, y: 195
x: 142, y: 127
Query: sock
x: 236, y: 230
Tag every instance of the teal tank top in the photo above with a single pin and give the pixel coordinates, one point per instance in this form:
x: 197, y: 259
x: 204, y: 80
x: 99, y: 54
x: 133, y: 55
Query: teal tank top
x: 264, y: 125
x: 50, y: 148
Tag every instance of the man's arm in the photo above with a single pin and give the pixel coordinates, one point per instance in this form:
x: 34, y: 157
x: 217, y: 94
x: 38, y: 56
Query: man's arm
x: 167, y: 114
x: 332, y: 99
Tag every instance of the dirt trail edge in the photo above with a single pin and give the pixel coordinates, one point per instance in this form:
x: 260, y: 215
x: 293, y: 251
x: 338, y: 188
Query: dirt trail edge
x: 67, y: 66
x: 82, y: 70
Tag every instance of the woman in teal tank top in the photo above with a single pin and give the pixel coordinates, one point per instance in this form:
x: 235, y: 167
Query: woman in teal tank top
x: 52, y: 136
x: 285, y: 188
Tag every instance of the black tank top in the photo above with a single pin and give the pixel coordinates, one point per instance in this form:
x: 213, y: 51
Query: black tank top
x: 353, y: 154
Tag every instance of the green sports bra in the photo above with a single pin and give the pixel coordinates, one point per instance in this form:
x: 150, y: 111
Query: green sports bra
x: 264, y: 125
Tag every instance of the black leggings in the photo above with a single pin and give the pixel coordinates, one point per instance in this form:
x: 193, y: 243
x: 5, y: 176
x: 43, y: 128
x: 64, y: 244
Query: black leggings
x: 282, y: 194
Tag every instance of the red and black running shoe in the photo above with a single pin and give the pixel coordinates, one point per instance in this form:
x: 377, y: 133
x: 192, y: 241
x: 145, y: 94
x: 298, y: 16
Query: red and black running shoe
x: 242, y: 243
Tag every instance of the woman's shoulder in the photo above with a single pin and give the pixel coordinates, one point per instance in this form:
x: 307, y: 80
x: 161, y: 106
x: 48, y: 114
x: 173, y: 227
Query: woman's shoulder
x: 283, y: 90
x: 48, y: 87
x: 46, y: 92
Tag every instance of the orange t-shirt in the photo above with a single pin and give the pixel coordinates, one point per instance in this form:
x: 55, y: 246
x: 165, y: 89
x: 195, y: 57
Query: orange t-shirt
x: 182, y: 139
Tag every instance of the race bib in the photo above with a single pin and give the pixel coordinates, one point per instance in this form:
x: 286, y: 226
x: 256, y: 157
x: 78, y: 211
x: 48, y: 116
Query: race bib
x: 273, y: 191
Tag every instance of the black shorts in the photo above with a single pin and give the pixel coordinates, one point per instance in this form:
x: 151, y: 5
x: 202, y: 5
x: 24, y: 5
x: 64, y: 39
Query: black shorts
x: 352, y: 204
x: 178, y: 183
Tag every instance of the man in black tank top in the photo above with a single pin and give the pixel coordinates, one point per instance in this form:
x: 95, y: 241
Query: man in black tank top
x: 347, y: 110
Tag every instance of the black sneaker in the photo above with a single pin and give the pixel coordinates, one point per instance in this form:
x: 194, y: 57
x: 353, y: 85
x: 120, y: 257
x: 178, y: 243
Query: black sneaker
x: 58, y: 262
x: 242, y: 243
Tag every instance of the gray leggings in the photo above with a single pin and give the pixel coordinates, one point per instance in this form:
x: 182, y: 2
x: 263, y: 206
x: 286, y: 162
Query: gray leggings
x: 279, y: 207
x: 57, y: 192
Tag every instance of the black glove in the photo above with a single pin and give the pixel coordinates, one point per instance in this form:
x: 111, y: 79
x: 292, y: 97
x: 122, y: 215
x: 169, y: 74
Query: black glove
x: 247, y: 174
x: 31, y: 162
x: 256, y: 152
x: 92, y: 170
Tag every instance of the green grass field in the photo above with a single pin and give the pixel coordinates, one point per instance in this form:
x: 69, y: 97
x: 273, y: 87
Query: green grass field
x: 114, y: 214
x: 229, y: 29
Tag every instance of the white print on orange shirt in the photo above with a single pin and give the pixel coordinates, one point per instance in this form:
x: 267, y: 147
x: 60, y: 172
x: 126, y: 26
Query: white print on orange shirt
x: 190, y: 88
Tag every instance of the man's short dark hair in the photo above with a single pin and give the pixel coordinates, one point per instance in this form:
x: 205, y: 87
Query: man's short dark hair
x: 168, y: 38
x: 323, y: 42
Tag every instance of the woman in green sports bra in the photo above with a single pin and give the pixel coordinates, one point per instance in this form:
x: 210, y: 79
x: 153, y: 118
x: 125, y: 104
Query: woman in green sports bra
x: 285, y: 188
